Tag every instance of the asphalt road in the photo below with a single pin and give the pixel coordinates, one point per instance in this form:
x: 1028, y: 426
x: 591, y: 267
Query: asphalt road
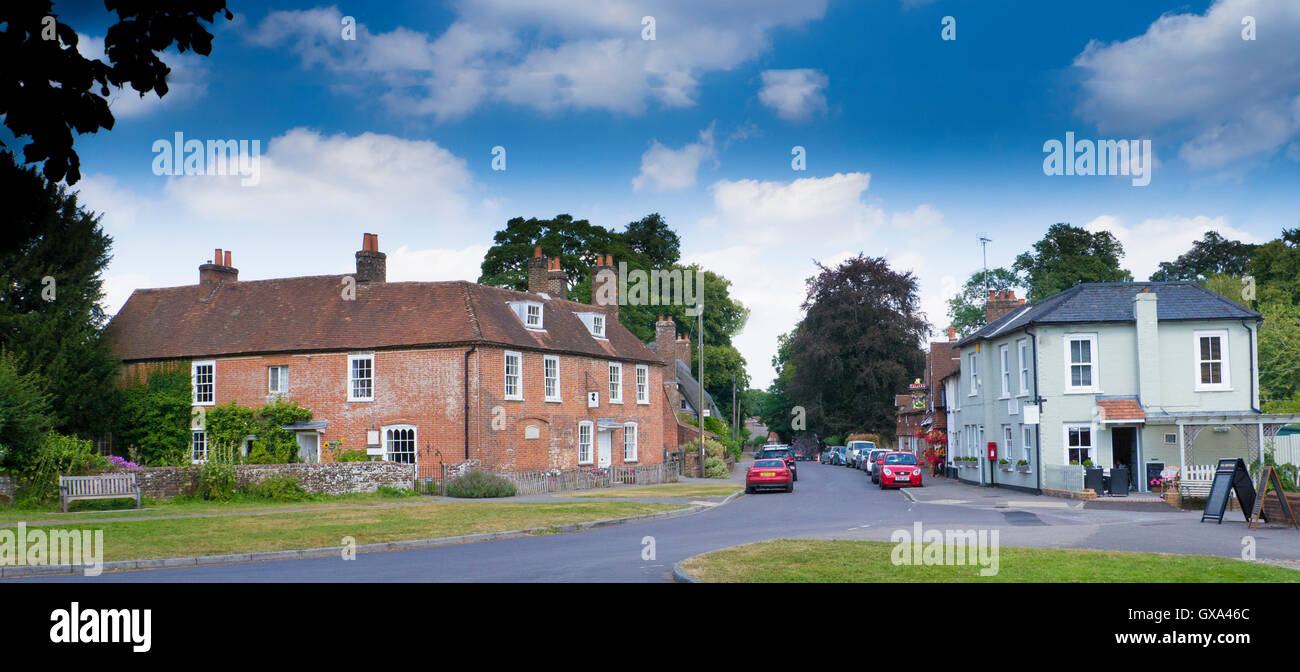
x: 828, y: 502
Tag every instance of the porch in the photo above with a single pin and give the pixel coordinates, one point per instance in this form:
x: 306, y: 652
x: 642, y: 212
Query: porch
x: 1258, y: 440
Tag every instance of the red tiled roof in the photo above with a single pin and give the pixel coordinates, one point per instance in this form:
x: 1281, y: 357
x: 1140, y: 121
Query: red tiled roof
x: 309, y: 314
x: 1121, y: 409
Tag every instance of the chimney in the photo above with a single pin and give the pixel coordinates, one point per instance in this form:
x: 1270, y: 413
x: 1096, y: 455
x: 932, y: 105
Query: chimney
x: 952, y: 334
x: 666, y: 342
x: 604, y: 283
x: 683, y: 344
x: 218, y: 271
x: 557, y: 281
x: 537, y: 271
x: 999, y: 304
x: 372, y: 265
x: 1147, y: 327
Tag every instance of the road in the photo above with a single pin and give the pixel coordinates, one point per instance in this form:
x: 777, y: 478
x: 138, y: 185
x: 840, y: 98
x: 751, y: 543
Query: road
x: 828, y: 502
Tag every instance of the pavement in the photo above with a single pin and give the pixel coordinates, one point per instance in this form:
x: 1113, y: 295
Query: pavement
x: 829, y: 502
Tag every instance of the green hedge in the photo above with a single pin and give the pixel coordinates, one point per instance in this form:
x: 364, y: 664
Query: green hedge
x: 479, y: 485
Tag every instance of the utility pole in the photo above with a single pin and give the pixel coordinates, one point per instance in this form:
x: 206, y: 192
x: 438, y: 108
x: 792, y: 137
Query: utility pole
x: 700, y: 331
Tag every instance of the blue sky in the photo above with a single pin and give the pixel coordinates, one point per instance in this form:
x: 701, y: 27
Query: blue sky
x: 913, y: 143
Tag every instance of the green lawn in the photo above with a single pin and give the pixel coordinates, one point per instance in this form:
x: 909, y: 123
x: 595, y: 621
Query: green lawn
x: 829, y: 561
x: 183, y: 537
x: 124, y: 508
x: 670, y: 490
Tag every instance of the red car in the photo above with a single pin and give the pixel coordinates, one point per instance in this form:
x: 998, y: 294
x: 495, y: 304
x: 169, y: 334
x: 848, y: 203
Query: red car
x: 770, y: 474
x: 899, y: 469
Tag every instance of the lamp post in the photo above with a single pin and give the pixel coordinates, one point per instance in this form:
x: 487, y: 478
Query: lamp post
x: 700, y: 331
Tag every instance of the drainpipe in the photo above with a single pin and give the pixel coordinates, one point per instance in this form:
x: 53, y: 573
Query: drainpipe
x: 466, y: 419
x: 1254, y: 379
x: 1038, y: 429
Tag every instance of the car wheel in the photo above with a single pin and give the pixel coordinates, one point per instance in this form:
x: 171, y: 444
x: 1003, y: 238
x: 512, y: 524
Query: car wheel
x: 796, y: 477
x: 790, y: 488
x: 882, y: 485
x: 749, y: 490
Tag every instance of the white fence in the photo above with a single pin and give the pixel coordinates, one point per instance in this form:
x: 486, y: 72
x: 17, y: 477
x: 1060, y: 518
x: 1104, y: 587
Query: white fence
x: 1286, y: 449
x: 1067, y: 477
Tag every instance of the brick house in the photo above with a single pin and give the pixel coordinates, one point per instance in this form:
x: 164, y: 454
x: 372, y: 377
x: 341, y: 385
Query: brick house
x: 415, y: 372
x: 681, y: 390
x: 930, y: 412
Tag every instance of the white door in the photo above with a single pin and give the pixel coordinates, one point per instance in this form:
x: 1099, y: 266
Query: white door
x: 604, y: 445
x: 308, y: 447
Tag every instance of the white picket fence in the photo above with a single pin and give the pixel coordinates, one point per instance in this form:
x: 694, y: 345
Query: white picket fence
x: 1286, y: 449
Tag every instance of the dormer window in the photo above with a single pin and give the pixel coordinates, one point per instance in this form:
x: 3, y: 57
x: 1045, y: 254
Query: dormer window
x: 595, y: 323
x: 530, y: 313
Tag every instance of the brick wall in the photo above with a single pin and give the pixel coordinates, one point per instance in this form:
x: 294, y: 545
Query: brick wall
x: 338, y: 478
x: 425, y: 388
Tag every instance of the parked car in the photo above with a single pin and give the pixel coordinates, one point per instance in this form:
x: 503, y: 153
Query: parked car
x: 899, y: 469
x: 868, y: 464
x: 856, y: 451
x: 771, y: 474
x: 876, y: 462
x: 782, y: 452
x: 831, y: 454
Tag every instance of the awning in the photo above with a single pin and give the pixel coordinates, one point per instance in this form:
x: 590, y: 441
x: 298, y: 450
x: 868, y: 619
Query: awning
x: 1121, y: 410
x: 313, y: 426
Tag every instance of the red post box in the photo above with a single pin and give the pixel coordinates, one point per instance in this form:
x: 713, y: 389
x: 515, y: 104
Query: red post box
x: 993, y: 451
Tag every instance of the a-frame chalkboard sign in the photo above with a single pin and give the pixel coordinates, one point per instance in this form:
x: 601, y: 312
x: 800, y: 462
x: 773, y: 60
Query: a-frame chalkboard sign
x: 1267, y: 477
x: 1230, y: 474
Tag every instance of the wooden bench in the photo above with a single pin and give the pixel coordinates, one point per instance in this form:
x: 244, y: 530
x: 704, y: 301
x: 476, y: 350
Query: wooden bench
x: 1195, y: 489
x: 103, y: 486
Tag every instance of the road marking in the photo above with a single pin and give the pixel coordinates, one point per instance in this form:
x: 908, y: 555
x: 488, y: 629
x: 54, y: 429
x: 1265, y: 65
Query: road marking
x: 1041, y: 505
x: 705, y: 503
x: 944, y: 501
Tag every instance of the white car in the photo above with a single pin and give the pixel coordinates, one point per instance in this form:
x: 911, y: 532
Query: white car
x: 855, y: 449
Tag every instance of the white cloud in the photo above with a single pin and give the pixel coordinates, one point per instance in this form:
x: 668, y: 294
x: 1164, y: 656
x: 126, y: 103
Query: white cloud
x: 186, y: 83
x: 664, y: 169
x: 796, y: 95
x: 436, y: 264
x: 1193, y: 75
x: 549, y: 55
x: 1175, y: 236
x: 770, y: 211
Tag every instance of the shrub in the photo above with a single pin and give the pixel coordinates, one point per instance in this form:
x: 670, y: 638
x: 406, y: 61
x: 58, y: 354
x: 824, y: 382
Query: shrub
x: 278, y: 488
x: 268, y: 452
x: 352, y: 456
x: 390, y: 491
x: 217, y: 475
x: 59, y: 455
x: 480, y: 484
x: 711, y: 448
x: 714, y: 467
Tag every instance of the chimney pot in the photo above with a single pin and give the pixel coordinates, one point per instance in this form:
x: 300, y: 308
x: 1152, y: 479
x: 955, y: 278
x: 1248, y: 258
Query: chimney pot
x: 216, y: 257
x: 952, y: 333
x: 228, y: 264
x: 537, y: 250
x: 372, y: 265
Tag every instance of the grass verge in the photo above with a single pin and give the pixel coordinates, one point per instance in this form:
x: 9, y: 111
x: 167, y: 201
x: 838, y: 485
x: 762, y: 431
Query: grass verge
x: 832, y: 561
x: 669, y: 490
x: 184, y: 506
x: 184, y: 537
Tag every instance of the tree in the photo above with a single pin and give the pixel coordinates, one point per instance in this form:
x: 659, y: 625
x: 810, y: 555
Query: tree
x: 857, y: 346
x: 1213, y: 254
x: 1068, y: 256
x: 1279, y: 352
x: 24, y: 414
x: 966, y: 309
x: 1276, y: 268
x: 48, y: 89
x: 778, y: 405
x: 52, y: 255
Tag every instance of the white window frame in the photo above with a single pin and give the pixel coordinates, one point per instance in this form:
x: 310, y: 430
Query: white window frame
x: 1225, y: 384
x: 642, y: 384
x: 598, y: 325
x: 518, y: 394
x: 1065, y: 440
x: 586, y: 448
x: 615, y: 386
x: 211, y: 364
x: 974, y: 367
x: 387, y: 439
x: 1026, y: 434
x: 1008, y: 444
x: 350, y: 380
x: 1004, y: 362
x: 528, y: 316
x: 1094, y: 364
x: 194, y: 441
x: 549, y: 391
x: 283, y: 379
x: 630, y: 440
x: 1022, y: 355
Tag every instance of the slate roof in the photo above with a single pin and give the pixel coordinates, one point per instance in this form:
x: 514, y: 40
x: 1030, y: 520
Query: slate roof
x: 1113, y: 302
x: 308, y: 314
x: 689, y: 387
